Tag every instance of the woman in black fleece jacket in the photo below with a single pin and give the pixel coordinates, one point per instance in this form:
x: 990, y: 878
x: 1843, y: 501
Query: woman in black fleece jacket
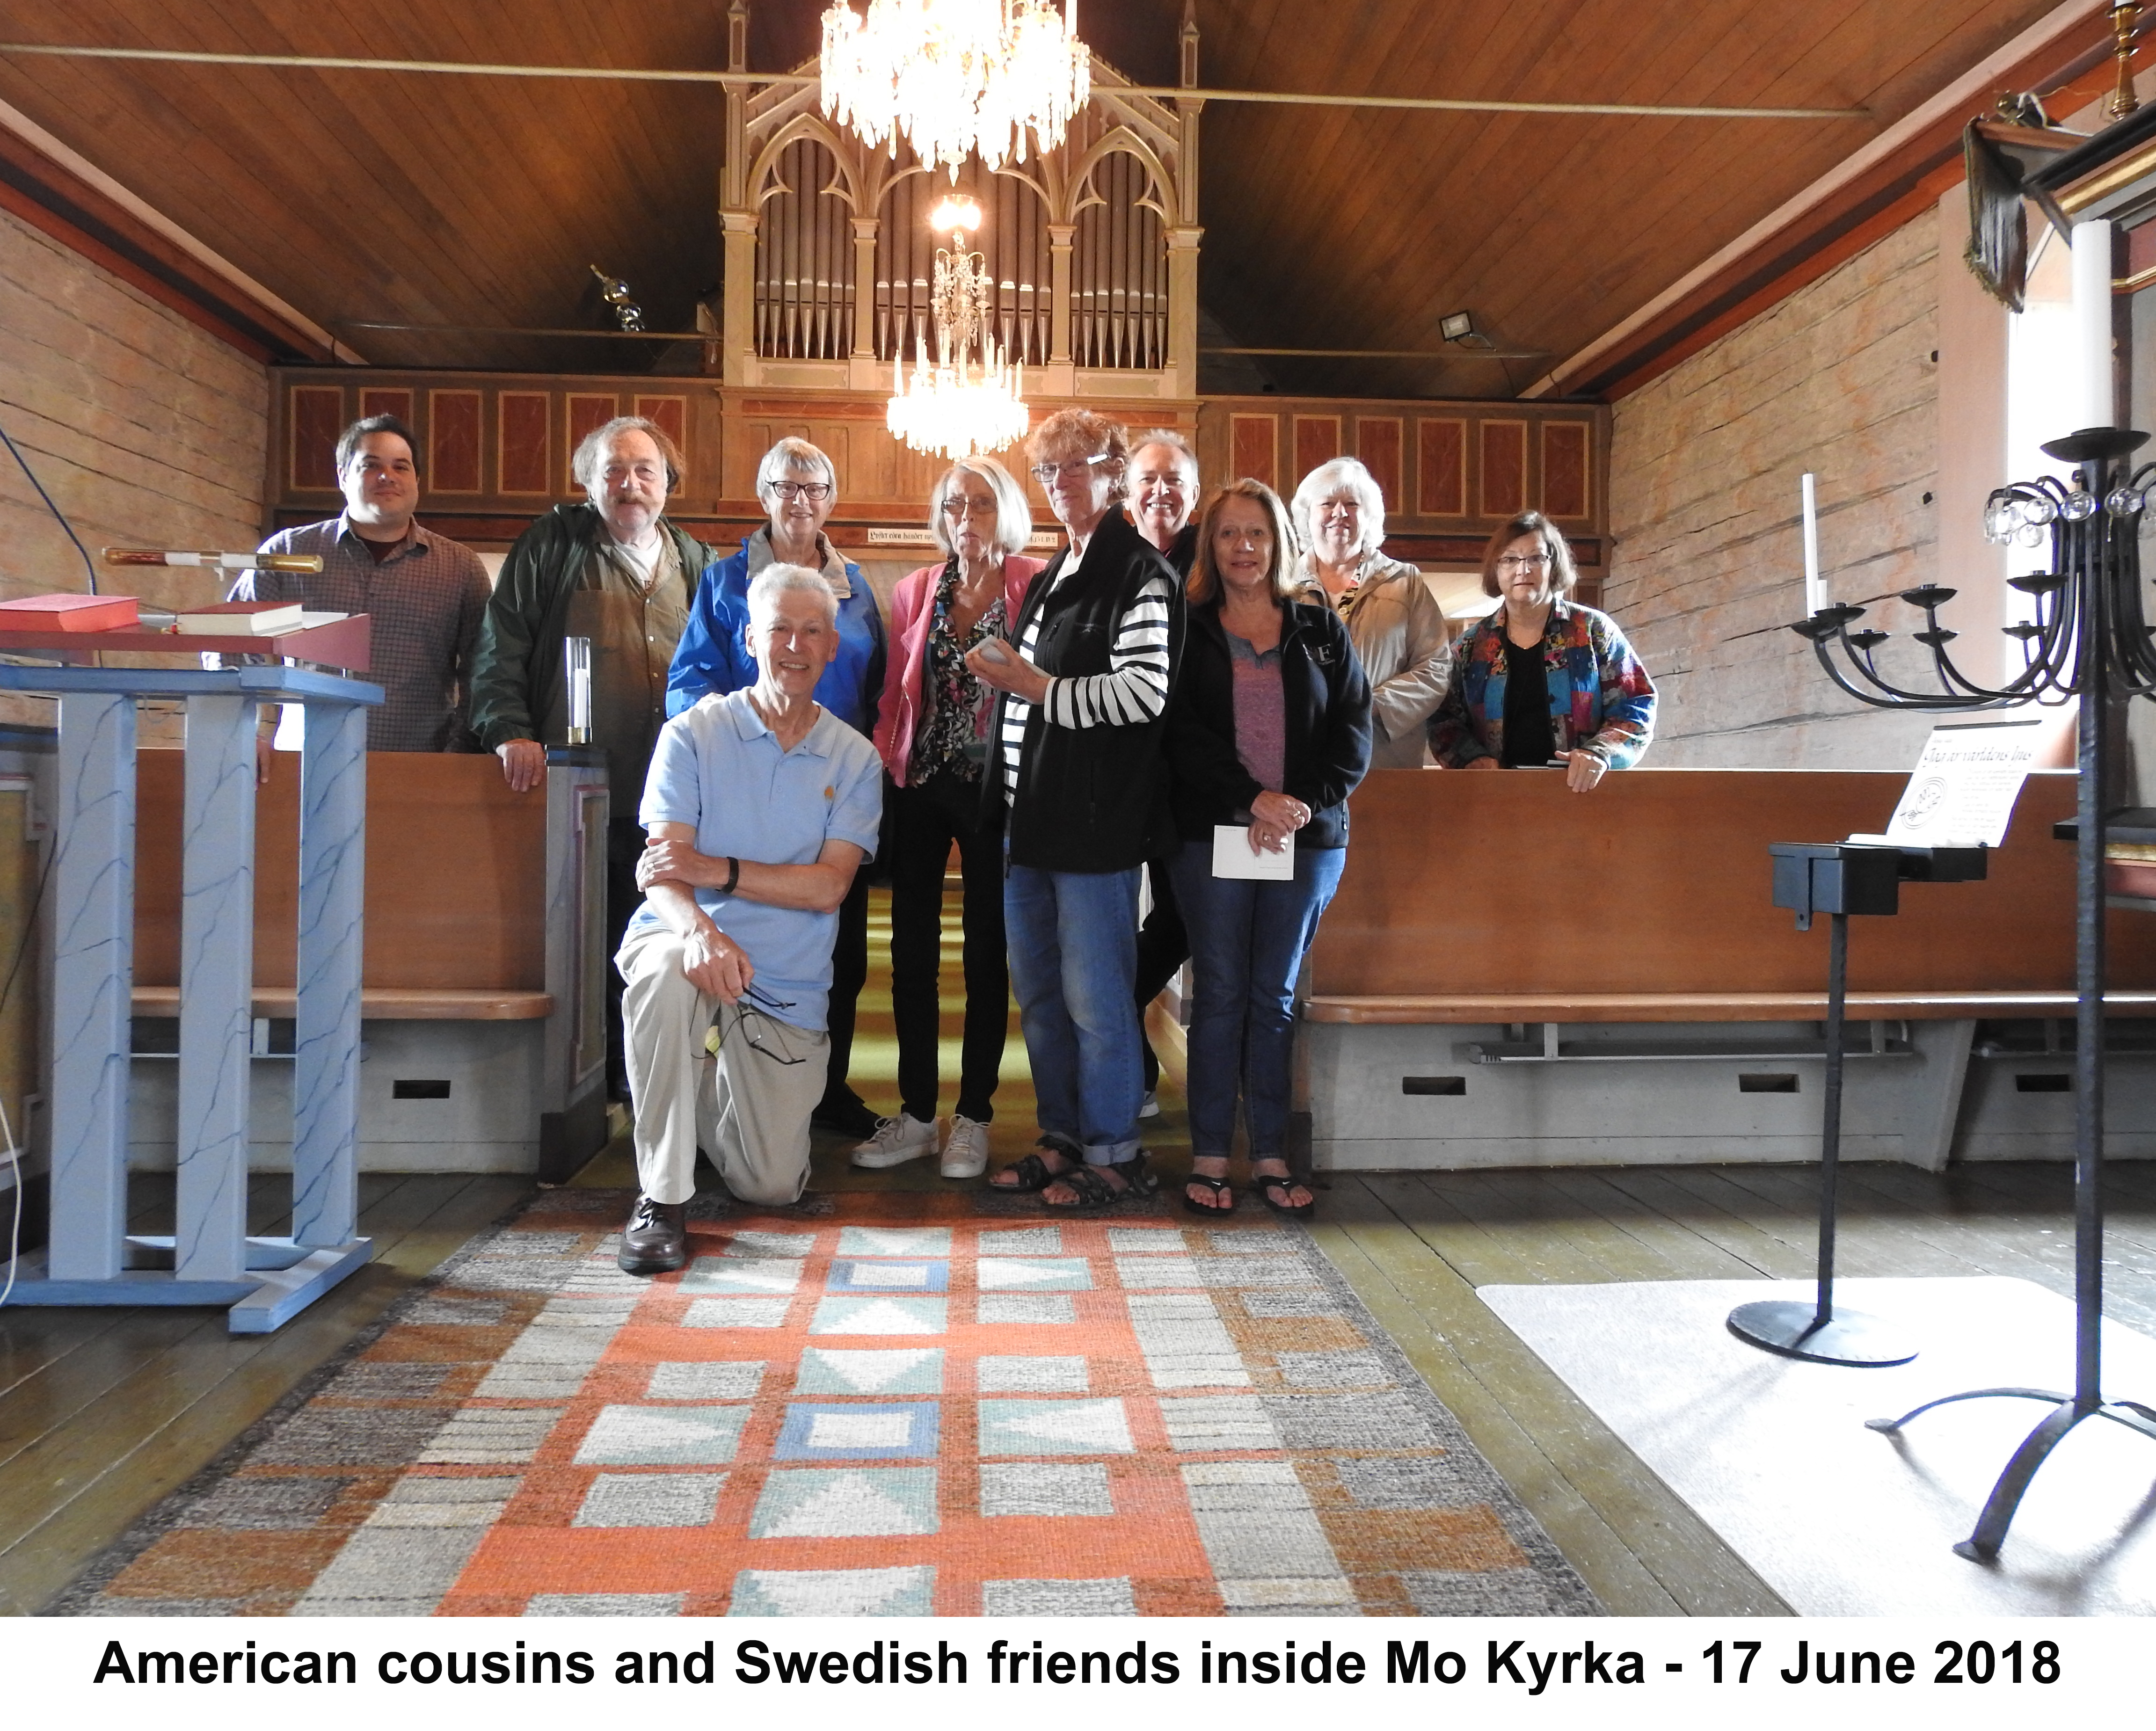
x: 1268, y: 731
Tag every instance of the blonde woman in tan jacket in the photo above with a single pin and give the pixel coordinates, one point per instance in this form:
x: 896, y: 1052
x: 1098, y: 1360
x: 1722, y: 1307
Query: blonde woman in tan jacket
x: 1394, y: 622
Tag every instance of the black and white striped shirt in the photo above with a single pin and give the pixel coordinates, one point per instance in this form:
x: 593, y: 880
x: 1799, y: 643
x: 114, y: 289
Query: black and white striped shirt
x: 1133, y: 690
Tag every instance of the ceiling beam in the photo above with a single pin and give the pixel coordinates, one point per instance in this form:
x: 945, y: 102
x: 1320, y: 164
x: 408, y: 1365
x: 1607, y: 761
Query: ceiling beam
x: 1391, y: 354
x: 473, y: 69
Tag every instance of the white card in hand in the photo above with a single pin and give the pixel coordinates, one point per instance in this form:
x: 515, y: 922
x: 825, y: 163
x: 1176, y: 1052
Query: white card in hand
x: 1232, y: 856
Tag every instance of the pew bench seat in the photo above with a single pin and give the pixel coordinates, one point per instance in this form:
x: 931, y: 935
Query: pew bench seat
x: 1421, y: 1009
x: 1510, y: 975
x: 382, y: 1003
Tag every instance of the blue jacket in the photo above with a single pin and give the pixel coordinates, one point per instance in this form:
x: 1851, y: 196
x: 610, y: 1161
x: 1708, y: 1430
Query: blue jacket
x: 714, y: 655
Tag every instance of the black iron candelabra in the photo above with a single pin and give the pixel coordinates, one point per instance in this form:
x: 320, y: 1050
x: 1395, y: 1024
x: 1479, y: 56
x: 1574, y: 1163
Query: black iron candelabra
x: 2091, y: 639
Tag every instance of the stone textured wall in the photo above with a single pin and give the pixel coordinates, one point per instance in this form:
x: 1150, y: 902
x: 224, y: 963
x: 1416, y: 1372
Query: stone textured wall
x: 1840, y: 379
x: 144, y: 428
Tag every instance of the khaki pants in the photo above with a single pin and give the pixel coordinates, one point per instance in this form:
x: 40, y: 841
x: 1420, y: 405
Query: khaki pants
x: 748, y: 1109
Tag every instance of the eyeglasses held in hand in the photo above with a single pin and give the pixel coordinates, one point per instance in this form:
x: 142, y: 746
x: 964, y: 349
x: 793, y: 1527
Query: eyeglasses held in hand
x: 1047, y: 473
x: 814, y: 491
x: 753, y: 1033
x: 1523, y: 561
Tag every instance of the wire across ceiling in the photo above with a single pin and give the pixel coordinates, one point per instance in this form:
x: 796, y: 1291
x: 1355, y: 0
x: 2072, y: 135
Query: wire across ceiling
x: 472, y: 69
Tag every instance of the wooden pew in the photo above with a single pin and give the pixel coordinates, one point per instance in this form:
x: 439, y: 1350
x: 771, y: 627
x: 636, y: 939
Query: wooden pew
x: 1489, y: 924
x: 474, y: 1059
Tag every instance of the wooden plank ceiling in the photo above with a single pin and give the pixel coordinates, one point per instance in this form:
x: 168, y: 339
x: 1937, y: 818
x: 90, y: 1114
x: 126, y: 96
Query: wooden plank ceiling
x: 419, y: 199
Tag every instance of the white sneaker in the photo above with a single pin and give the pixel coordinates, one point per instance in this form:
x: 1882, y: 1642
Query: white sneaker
x: 896, y: 1141
x: 1150, y: 1106
x: 965, y: 1149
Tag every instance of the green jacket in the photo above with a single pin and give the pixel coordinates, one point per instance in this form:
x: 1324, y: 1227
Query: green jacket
x: 518, y: 663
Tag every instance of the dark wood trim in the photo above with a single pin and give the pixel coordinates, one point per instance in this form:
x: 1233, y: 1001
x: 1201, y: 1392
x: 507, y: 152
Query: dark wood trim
x: 1891, y: 193
x: 61, y: 204
x: 1808, y: 255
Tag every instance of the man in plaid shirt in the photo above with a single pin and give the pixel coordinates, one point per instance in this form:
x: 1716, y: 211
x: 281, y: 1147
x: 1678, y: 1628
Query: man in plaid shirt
x: 425, y: 594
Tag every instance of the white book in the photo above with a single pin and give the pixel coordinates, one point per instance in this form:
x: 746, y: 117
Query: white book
x: 241, y: 619
x: 1232, y: 856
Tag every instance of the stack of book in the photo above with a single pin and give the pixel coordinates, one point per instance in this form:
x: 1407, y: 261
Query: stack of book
x: 88, y: 613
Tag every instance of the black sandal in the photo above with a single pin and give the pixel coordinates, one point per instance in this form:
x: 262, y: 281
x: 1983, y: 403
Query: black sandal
x: 1264, y: 1184
x: 1224, y: 1193
x: 1095, y: 1192
x: 1034, y: 1173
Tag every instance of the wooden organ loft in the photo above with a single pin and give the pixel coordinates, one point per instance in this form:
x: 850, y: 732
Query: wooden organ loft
x: 1093, y: 246
x: 827, y: 264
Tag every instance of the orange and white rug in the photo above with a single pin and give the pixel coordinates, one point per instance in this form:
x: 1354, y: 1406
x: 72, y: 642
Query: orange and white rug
x: 898, y: 1407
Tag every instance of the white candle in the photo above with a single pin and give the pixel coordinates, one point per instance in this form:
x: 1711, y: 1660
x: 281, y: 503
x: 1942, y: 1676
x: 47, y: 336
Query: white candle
x: 2092, y: 305
x: 1814, y: 585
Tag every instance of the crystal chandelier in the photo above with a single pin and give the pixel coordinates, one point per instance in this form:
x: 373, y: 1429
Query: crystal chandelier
x: 958, y: 78
x: 948, y: 408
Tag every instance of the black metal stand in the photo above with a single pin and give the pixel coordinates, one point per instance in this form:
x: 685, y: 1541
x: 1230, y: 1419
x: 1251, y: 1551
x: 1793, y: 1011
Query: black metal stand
x: 2092, y: 756
x: 1814, y: 1331
x: 2090, y: 638
x: 1839, y: 878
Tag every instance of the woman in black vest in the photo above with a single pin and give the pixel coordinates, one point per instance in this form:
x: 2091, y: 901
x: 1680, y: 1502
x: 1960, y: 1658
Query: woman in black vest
x: 1077, y: 780
x: 1269, y: 733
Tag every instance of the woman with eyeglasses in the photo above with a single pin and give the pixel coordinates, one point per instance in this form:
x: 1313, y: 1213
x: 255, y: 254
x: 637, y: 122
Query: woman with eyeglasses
x: 1542, y: 681
x: 1268, y: 735
x: 1075, y: 775
x: 799, y: 487
x: 1399, y: 629
x: 932, y: 731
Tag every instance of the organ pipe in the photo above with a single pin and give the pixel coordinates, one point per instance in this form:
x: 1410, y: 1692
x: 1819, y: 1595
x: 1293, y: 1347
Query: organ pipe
x: 805, y: 287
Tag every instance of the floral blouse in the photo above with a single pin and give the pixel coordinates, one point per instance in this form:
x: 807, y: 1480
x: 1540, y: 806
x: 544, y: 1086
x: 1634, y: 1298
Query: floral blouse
x: 1600, y: 698
x: 953, y: 740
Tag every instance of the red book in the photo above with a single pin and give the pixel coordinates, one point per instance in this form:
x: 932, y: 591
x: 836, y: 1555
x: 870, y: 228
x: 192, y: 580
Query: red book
x: 69, y: 612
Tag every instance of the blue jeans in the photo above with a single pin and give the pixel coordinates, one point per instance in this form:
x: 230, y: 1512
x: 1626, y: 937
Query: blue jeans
x: 1247, y: 941
x: 1073, y: 943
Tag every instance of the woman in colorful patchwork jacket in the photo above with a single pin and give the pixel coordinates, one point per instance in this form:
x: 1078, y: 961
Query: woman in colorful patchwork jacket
x: 1542, y: 681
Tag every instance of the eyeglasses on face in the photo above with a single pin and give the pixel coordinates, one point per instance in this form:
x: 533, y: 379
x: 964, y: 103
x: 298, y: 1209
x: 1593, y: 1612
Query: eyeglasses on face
x: 1075, y: 469
x: 959, y: 505
x: 1523, y: 561
x: 814, y: 491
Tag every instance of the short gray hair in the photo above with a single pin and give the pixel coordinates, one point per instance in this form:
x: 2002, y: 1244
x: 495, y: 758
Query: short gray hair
x: 794, y: 454
x: 584, y: 466
x: 776, y: 580
x: 1341, y: 474
x: 1014, y: 515
x: 1174, y: 441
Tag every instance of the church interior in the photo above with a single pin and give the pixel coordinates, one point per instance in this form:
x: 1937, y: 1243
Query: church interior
x: 1764, y: 308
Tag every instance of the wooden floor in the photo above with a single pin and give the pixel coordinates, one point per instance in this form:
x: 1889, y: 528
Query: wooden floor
x: 1415, y: 1247
x: 102, y: 1413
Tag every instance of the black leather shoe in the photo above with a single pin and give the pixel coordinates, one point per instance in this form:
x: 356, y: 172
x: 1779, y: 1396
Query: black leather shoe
x: 656, y: 1239
x: 849, y: 1118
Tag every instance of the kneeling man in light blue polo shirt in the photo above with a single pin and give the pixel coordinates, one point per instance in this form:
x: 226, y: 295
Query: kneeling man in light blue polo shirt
x: 759, y: 807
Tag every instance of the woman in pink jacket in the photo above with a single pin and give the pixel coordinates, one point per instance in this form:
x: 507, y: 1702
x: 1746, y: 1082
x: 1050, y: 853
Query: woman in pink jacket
x: 932, y: 730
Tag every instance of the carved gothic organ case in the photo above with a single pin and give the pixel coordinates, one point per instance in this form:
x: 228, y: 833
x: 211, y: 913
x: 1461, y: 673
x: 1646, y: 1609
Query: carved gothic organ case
x: 1093, y: 249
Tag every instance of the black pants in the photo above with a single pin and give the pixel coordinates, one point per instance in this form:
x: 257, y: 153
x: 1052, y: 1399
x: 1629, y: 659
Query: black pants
x: 1163, y: 946
x: 926, y: 820
x: 850, y: 972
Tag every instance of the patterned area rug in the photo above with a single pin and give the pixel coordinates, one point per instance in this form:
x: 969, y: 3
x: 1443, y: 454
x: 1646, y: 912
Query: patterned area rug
x: 903, y: 1406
